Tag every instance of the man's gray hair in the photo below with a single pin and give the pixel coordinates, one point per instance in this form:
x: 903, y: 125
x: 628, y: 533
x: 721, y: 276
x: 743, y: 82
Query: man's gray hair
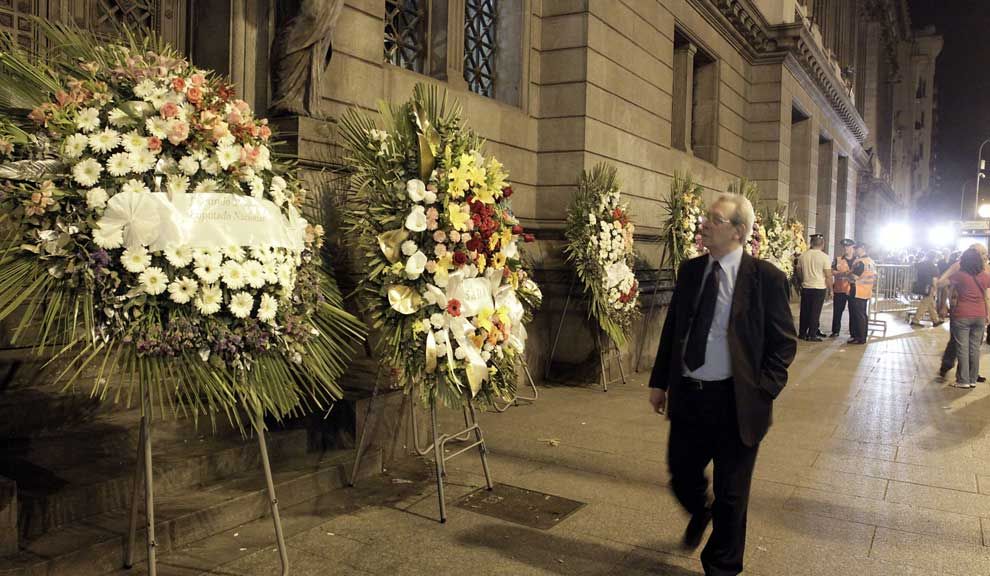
x: 744, y: 215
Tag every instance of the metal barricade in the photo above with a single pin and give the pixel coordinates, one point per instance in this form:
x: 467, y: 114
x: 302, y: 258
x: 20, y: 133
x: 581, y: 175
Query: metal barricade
x: 892, y: 294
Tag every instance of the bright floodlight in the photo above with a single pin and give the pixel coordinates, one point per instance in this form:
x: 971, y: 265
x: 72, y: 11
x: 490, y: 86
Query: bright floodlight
x: 942, y: 235
x: 896, y: 236
x: 984, y: 211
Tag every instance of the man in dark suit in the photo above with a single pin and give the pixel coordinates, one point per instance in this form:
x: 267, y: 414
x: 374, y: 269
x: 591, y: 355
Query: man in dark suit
x: 724, y: 352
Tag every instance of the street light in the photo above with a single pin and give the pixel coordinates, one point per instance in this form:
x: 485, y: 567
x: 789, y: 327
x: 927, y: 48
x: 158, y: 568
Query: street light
x: 980, y: 165
x: 984, y: 210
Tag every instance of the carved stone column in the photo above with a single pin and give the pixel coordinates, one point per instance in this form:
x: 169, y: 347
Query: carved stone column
x: 455, y: 44
x: 680, y: 129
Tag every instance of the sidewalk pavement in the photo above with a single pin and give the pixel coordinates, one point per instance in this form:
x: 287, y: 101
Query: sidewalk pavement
x: 871, y: 468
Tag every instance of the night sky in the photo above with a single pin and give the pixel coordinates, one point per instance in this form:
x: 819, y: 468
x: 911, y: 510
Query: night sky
x: 963, y: 82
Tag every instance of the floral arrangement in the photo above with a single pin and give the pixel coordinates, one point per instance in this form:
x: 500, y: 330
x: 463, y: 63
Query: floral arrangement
x: 782, y: 244
x: 757, y: 239
x: 800, y: 240
x: 682, y: 232
x: 600, y: 245
x: 446, y: 285
x: 128, y: 178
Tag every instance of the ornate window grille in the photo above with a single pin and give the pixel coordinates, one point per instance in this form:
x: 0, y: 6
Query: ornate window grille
x: 15, y: 19
x: 480, y: 23
x: 111, y: 16
x: 405, y: 33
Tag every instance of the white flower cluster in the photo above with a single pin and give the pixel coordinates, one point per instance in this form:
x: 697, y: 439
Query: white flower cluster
x: 610, y: 245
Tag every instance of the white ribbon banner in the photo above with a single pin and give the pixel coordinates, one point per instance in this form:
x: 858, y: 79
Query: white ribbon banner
x: 202, y: 220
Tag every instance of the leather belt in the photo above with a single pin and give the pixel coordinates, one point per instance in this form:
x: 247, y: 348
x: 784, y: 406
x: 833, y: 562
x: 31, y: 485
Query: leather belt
x: 702, y: 385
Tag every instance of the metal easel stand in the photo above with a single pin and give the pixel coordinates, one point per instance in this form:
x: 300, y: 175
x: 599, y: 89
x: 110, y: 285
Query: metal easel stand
x: 440, y: 442
x: 517, y: 397
x: 560, y: 326
x: 604, y: 354
x: 145, y: 469
x: 648, y: 320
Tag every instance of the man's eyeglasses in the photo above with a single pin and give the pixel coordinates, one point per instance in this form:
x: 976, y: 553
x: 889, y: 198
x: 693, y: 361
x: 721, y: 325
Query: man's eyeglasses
x: 715, y: 218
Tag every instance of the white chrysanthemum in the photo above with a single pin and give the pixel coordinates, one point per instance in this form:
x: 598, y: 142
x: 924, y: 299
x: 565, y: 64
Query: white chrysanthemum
x: 278, y: 198
x: 210, y: 166
x: 146, y: 88
x: 178, y: 256
x: 233, y: 275
x: 108, y: 237
x: 182, y: 290
x: 409, y: 247
x: 88, y: 119
x: 105, y: 140
x: 208, y: 271
x: 133, y: 141
x: 119, y: 118
x: 267, y: 308
x: 208, y: 300
x: 74, y: 146
x: 135, y: 259
x: 142, y: 160
x: 153, y: 280
x: 254, y: 273
x: 257, y: 187
x: 166, y: 165
x: 87, y: 172
x: 235, y: 252
x: 119, y: 164
x: 189, y: 166
x: 229, y: 139
x: 241, y: 304
x: 228, y: 154
x: 157, y: 127
x: 96, y: 198
x: 135, y: 187
x: 278, y: 184
x: 177, y: 184
x: 264, y: 159
x: 201, y: 255
x: 207, y: 185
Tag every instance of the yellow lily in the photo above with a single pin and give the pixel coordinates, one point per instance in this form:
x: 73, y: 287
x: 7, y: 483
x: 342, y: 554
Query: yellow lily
x: 459, y: 216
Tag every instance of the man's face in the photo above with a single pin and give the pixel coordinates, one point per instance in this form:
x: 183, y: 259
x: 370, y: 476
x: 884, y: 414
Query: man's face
x: 850, y: 251
x: 717, y: 231
x: 860, y: 251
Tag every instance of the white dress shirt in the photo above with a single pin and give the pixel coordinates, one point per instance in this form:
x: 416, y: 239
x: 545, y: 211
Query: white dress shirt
x: 718, y: 362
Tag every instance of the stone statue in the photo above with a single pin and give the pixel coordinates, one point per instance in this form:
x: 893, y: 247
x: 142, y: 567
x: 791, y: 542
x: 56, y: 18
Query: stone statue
x: 302, y: 52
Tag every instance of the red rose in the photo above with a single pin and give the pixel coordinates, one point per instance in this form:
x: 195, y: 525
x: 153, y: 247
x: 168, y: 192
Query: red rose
x: 154, y: 143
x: 517, y: 229
x: 178, y: 84
x: 528, y: 237
x: 454, y: 307
x: 507, y: 191
x: 460, y: 258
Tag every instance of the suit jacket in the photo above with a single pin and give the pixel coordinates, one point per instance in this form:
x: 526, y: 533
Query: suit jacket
x: 762, y: 341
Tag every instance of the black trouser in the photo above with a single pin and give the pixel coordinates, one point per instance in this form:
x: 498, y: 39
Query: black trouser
x: 812, y: 300
x: 857, y: 318
x: 948, y: 356
x: 705, y: 428
x: 838, y: 307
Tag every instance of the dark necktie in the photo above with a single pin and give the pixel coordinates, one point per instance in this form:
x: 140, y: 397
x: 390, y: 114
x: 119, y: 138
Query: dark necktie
x: 694, y: 355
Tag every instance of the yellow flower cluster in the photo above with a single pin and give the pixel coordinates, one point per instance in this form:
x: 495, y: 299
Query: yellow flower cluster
x: 472, y: 173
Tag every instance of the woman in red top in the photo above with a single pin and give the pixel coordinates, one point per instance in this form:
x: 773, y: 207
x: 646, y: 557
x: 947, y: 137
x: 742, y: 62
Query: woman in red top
x: 969, y: 315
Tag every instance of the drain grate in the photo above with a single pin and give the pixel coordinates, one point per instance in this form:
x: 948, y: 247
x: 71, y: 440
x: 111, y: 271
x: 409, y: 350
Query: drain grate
x: 521, y: 506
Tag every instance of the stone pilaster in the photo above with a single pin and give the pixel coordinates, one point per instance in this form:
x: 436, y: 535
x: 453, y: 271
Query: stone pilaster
x: 825, y: 218
x: 803, y: 185
x: 455, y: 45
x: 681, y: 109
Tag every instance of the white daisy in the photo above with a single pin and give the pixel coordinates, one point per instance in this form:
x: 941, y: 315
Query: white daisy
x: 241, y: 304
x: 278, y: 184
x: 209, y: 299
x: 254, y: 274
x: 267, y: 308
x: 189, y: 166
x: 133, y: 141
x: 228, y: 154
x: 234, y: 252
x: 179, y: 256
x: 201, y: 255
x: 142, y: 160
x: 157, y: 127
x: 264, y: 159
x: 119, y: 164
x: 208, y: 271
x: 87, y: 172
x: 207, y: 185
x: 177, y: 184
x: 257, y: 187
x: 96, y: 198
x: 210, y: 166
x: 74, y: 146
x: 135, y: 187
x: 105, y: 140
x: 233, y: 275
x: 119, y: 118
x: 109, y: 237
x: 182, y: 290
x: 278, y: 198
x: 145, y: 88
x: 153, y: 280
x: 88, y: 119
x: 135, y: 259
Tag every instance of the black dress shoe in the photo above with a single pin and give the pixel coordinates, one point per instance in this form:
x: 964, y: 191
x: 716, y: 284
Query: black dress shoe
x: 981, y: 379
x: 821, y: 334
x: 833, y: 335
x: 852, y: 341
x: 815, y: 339
x: 696, y: 529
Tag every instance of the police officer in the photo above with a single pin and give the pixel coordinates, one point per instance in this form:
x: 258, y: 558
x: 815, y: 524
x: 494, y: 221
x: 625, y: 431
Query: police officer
x: 842, y: 283
x: 864, y: 276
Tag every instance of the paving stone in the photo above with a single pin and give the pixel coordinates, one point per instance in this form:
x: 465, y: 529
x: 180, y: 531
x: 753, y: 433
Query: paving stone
x: 930, y: 553
x: 898, y: 471
x: 939, y: 499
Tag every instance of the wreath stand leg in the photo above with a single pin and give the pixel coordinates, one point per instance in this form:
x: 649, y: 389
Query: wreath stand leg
x: 605, y: 353
x: 602, y: 359
x: 359, y: 449
x: 143, y: 468
x: 560, y: 326
x: 259, y: 426
x: 515, y: 397
x: 648, y: 321
x: 439, y: 444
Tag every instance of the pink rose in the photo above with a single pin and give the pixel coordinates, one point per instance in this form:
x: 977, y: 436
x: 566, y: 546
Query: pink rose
x: 178, y: 132
x: 197, y: 79
x: 170, y: 110
x: 431, y: 266
x: 439, y: 236
x: 440, y: 250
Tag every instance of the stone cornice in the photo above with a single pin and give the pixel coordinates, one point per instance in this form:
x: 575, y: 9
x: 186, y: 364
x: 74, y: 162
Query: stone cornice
x: 739, y: 21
